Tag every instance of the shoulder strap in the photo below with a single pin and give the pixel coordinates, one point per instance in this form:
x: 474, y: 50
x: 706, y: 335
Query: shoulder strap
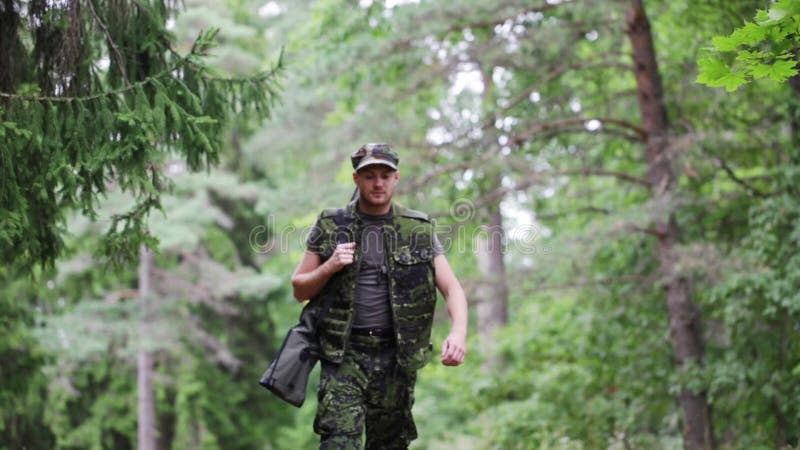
x: 414, y: 214
x: 342, y: 221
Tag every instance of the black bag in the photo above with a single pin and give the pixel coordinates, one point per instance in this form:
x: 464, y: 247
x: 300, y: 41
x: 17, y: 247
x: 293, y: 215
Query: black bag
x: 287, y: 375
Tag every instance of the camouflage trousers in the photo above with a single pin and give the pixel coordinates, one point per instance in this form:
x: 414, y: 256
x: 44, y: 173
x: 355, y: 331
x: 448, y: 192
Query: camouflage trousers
x: 366, y: 392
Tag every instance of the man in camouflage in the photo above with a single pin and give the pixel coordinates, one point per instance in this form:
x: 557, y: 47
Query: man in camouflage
x: 378, y: 265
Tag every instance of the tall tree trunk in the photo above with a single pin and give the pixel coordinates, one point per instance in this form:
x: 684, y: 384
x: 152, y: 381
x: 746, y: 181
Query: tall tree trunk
x: 493, y: 292
x: 144, y: 372
x: 684, y: 316
x: 11, y: 59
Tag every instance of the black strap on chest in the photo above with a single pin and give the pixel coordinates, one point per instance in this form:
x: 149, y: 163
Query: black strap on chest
x: 342, y: 222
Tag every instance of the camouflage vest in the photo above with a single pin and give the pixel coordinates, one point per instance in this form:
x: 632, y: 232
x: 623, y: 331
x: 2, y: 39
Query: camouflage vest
x: 408, y: 249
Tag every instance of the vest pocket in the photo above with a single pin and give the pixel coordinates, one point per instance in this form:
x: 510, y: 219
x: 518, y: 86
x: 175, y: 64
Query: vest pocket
x: 408, y: 255
x: 413, y: 276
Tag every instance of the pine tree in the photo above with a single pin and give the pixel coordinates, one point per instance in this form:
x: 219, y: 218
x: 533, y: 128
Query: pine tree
x: 94, y: 97
x: 195, y: 333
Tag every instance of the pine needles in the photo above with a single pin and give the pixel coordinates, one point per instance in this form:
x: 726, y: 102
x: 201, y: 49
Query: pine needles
x: 72, y: 130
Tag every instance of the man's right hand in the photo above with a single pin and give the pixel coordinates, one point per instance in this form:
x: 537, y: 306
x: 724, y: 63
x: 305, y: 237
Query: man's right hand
x: 342, y: 256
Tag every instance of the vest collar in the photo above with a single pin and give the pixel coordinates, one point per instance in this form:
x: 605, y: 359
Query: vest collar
x: 352, y: 210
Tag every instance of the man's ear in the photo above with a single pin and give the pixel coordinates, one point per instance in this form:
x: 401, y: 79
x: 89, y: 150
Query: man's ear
x: 355, y: 176
x: 396, y: 175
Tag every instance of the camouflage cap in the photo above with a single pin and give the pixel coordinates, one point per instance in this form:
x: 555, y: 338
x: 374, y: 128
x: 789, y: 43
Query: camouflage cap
x: 374, y: 153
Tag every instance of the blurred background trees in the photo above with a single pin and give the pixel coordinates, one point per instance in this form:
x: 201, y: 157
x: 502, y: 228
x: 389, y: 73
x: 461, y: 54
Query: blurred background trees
x: 628, y: 237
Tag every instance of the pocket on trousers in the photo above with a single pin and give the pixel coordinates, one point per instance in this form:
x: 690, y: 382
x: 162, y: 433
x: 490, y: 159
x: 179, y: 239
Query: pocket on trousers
x: 339, y: 411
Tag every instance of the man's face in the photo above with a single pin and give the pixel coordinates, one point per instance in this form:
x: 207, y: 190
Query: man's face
x: 376, y: 184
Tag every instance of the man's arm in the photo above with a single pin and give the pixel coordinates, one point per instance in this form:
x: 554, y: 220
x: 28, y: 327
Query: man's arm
x: 311, y: 275
x: 454, y: 347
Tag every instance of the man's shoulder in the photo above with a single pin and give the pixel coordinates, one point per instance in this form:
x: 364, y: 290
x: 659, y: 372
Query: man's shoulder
x: 345, y: 212
x: 411, y: 213
x: 328, y: 213
x: 398, y: 210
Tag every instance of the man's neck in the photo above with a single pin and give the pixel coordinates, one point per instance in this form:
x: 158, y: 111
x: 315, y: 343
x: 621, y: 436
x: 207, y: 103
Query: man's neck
x: 374, y: 210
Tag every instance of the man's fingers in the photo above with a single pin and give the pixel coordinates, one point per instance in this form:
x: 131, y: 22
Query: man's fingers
x: 452, y: 354
x: 343, y: 254
x: 452, y: 351
x: 452, y: 361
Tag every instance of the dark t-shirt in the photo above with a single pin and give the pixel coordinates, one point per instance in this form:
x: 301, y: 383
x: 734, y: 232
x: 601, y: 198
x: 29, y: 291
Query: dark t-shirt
x: 372, y: 309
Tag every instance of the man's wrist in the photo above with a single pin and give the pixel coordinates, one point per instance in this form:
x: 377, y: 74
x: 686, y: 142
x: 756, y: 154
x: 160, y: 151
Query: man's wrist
x: 327, y: 267
x: 459, y: 331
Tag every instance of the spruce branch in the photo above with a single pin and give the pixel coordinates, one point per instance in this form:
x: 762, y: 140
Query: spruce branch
x: 111, y: 43
x: 187, y: 60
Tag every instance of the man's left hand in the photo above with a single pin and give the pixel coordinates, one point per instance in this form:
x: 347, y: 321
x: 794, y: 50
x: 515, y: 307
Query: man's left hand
x: 454, y: 348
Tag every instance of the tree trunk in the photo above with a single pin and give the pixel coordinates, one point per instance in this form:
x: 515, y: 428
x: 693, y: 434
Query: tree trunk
x: 10, y: 58
x: 492, y: 293
x: 684, y: 316
x: 146, y: 401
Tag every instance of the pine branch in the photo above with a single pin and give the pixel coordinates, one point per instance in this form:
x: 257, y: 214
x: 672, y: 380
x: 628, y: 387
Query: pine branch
x: 214, y: 347
x: 521, y: 167
x: 535, y: 177
x: 111, y: 43
x: 741, y: 182
x: 424, y: 179
x: 556, y: 73
x: 585, y: 283
x: 602, y: 172
x: 583, y: 210
x: 653, y: 231
x: 184, y: 61
x: 565, y: 124
x: 491, y: 23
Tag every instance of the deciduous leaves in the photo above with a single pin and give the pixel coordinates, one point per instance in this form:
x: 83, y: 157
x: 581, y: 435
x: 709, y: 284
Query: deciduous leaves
x: 765, y: 48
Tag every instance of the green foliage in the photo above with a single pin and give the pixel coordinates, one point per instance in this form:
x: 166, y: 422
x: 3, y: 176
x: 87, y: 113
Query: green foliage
x: 102, y: 395
x: 74, y: 141
x: 603, y: 376
x: 585, y: 359
x: 102, y: 154
x: 22, y: 402
x: 765, y: 48
x: 758, y: 304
